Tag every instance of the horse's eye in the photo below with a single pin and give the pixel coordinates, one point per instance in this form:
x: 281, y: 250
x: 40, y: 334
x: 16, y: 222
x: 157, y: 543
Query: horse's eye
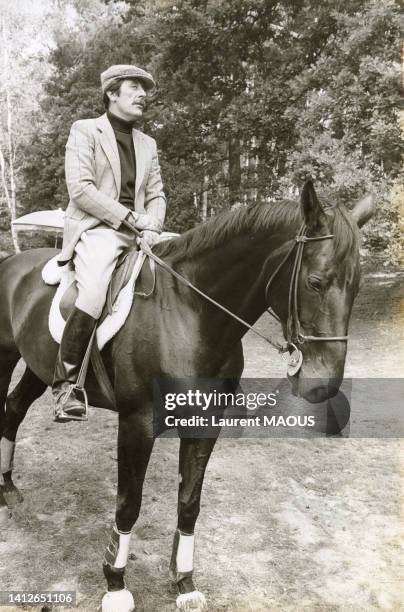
x: 314, y: 282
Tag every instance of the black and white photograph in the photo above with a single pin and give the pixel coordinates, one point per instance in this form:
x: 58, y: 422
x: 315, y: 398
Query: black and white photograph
x: 201, y: 305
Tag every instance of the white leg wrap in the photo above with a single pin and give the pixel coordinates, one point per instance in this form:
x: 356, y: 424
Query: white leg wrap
x: 6, y: 455
x: 118, y: 549
x: 123, y: 550
x: 194, y: 601
x: 118, y: 601
x: 185, y: 553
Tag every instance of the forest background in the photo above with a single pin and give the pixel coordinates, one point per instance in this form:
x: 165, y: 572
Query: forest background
x: 252, y: 97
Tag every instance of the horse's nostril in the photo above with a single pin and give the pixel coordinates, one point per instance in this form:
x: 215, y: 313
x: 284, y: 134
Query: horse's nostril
x: 314, y: 390
x: 316, y: 395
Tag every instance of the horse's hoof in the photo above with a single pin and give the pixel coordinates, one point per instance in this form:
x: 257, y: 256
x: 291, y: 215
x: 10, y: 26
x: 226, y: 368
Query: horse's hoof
x: 5, y: 515
x: 118, y: 601
x: 194, y: 601
x: 12, y: 495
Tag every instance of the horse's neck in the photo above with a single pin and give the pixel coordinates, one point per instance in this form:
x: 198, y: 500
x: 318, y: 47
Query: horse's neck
x: 234, y: 274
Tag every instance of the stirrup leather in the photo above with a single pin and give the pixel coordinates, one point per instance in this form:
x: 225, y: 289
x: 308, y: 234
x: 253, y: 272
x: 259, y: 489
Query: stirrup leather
x: 62, y: 414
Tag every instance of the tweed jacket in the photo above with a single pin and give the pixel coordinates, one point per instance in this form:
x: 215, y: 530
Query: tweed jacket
x: 93, y: 178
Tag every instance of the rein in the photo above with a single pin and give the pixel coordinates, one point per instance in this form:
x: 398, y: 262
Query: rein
x: 293, y: 318
x: 185, y: 281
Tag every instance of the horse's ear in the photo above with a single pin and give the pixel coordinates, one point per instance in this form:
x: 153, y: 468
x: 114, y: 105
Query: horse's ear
x: 312, y: 210
x: 364, y: 209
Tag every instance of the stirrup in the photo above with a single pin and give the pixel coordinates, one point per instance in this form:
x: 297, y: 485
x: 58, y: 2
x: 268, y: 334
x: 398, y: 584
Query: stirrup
x: 60, y: 414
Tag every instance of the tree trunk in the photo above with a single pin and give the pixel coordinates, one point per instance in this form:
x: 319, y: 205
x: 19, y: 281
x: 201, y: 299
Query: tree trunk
x: 14, y: 235
x: 234, y: 171
x: 10, y: 194
x: 205, y: 198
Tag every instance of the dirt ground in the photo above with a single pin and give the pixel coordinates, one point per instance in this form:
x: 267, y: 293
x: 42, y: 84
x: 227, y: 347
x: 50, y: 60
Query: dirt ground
x: 285, y: 524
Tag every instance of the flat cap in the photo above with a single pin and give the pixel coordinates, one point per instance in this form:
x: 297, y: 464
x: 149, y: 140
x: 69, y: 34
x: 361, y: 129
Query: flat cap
x: 126, y: 71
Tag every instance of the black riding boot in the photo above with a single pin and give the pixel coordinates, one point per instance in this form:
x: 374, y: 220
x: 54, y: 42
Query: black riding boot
x: 76, y: 336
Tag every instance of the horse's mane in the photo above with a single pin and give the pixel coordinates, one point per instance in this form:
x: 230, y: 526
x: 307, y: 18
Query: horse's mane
x: 228, y: 224
x: 274, y: 216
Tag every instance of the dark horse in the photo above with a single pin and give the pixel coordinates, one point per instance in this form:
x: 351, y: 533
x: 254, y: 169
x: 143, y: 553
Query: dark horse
x: 177, y: 334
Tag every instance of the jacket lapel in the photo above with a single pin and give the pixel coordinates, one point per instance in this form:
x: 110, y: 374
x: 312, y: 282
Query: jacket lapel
x: 110, y: 148
x: 140, y: 159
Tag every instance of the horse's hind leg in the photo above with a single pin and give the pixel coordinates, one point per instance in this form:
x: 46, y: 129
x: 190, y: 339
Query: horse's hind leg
x: 7, y: 364
x: 194, y: 457
x: 29, y: 388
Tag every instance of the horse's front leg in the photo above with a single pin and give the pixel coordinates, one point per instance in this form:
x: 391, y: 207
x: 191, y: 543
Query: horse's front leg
x: 135, y: 443
x: 194, y: 457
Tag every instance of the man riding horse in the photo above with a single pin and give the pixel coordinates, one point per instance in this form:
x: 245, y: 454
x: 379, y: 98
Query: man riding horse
x: 113, y: 177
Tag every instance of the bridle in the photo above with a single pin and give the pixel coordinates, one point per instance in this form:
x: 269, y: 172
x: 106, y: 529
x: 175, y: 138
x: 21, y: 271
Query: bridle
x: 294, y: 334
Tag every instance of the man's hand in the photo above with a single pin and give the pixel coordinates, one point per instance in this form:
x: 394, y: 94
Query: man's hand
x: 143, y: 221
x: 149, y: 237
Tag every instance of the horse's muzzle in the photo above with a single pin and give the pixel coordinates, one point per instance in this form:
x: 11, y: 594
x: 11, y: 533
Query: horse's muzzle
x: 314, y: 390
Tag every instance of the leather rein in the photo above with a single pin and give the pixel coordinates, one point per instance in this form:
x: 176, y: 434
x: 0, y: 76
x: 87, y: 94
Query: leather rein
x: 294, y: 332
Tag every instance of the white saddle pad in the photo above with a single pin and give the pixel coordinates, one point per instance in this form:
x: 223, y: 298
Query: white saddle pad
x: 53, y: 274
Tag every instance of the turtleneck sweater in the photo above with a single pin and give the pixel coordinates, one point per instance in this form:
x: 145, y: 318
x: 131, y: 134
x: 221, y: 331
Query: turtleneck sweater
x: 123, y: 134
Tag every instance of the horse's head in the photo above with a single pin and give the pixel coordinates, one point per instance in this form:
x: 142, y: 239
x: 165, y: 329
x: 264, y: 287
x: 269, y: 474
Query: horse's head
x: 321, y: 295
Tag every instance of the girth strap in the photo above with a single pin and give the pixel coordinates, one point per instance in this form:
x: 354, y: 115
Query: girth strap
x: 102, y: 376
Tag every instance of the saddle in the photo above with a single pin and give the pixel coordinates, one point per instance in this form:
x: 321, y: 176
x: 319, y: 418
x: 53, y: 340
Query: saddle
x: 119, y: 280
x: 120, y: 295
x: 119, y: 300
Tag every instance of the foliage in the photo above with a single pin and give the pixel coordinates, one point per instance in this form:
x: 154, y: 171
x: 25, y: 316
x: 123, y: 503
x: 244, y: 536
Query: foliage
x: 18, y: 33
x: 253, y: 95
